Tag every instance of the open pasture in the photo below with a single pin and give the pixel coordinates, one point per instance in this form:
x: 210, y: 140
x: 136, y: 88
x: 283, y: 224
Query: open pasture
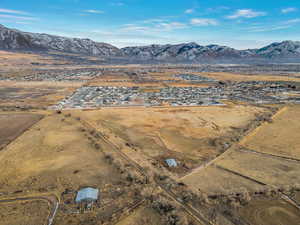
x: 269, y: 212
x: 281, y: 137
x: 13, y: 125
x: 214, y: 180
x: 52, y: 156
x: 193, y: 134
x: 223, y: 76
x: 262, y: 168
x: 34, y: 94
x: 24, y: 213
x: 142, y: 216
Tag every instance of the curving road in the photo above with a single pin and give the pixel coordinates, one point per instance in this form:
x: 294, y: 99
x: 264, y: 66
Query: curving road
x: 51, y: 199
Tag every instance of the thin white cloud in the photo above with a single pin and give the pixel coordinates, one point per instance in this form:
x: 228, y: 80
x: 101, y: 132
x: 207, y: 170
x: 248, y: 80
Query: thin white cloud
x: 154, y: 21
x: 203, y: 22
x: 246, y: 13
x: 93, y: 11
x: 117, y: 4
x: 103, y: 32
x: 189, y: 11
x: 292, y: 21
x: 171, y: 26
x: 132, y: 27
x: 22, y: 18
x: 265, y: 29
x: 11, y: 11
x: 218, y: 9
x: 23, y: 22
x: 289, y: 10
x: 153, y: 26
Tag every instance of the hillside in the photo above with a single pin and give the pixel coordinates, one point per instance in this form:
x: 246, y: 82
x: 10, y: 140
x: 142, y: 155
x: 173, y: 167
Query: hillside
x: 11, y: 39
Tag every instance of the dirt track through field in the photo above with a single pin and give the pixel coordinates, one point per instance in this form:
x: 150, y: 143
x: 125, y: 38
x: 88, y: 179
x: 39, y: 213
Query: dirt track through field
x: 14, y: 125
x: 266, y: 212
x: 51, y: 199
x: 249, y: 132
x: 255, y: 131
x: 268, y: 154
x: 189, y: 209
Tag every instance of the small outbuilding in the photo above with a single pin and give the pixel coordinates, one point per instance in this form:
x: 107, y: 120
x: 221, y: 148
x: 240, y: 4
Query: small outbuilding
x: 171, y: 162
x: 87, y: 195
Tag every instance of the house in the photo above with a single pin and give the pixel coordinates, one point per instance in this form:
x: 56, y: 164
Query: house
x: 87, y: 195
x: 171, y: 162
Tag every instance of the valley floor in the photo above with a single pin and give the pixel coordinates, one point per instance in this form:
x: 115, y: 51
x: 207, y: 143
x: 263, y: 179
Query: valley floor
x: 236, y: 163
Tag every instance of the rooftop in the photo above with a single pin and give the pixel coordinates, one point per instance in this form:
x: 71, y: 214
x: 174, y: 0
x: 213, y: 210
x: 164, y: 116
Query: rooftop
x: 87, y: 194
x: 171, y: 162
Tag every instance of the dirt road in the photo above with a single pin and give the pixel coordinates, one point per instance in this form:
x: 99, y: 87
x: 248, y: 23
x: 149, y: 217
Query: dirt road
x: 51, y: 199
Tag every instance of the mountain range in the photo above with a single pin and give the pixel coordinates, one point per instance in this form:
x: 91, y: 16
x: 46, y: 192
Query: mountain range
x: 12, y: 39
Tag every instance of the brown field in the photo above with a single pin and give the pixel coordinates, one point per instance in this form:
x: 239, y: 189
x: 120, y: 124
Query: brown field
x: 157, y: 80
x: 192, y: 135
x: 270, y: 212
x: 52, y: 156
x: 34, y: 94
x: 59, y: 153
x: 265, y: 169
x: 117, y: 83
x: 213, y: 180
x: 297, y: 197
x: 243, y: 77
x: 12, y: 125
x: 24, y: 213
x: 8, y: 58
x: 281, y: 137
x: 142, y: 216
x: 15, y: 64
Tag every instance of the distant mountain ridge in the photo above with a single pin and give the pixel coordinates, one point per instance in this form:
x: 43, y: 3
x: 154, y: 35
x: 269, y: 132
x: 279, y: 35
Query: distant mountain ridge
x: 11, y: 39
x: 193, y: 51
x: 186, y: 51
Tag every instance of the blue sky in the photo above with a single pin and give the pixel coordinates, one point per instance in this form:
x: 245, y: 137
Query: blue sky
x: 237, y: 23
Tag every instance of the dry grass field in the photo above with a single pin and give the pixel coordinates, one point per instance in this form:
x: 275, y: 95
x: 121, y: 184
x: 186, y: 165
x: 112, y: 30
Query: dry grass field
x: 157, y: 80
x: 191, y: 134
x: 15, y: 64
x: 34, y: 94
x: 213, y: 180
x: 12, y: 125
x: 297, y: 197
x: 281, y: 137
x: 24, y: 213
x: 243, y: 77
x: 22, y: 59
x: 142, y: 216
x: 58, y: 153
x: 52, y: 156
x: 265, y: 169
x: 270, y: 212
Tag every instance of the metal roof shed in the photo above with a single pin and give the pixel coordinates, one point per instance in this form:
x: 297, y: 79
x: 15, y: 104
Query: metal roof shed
x: 87, y: 194
x: 171, y: 162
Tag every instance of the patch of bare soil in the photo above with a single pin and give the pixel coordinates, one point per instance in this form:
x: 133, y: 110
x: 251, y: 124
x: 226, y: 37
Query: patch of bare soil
x: 142, y: 216
x: 24, y: 213
x: 52, y: 156
x: 38, y: 96
x: 13, y: 125
x: 281, y: 137
x: 269, y: 212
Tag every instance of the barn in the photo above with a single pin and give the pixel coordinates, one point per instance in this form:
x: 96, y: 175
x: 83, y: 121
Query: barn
x: 87, y: 195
